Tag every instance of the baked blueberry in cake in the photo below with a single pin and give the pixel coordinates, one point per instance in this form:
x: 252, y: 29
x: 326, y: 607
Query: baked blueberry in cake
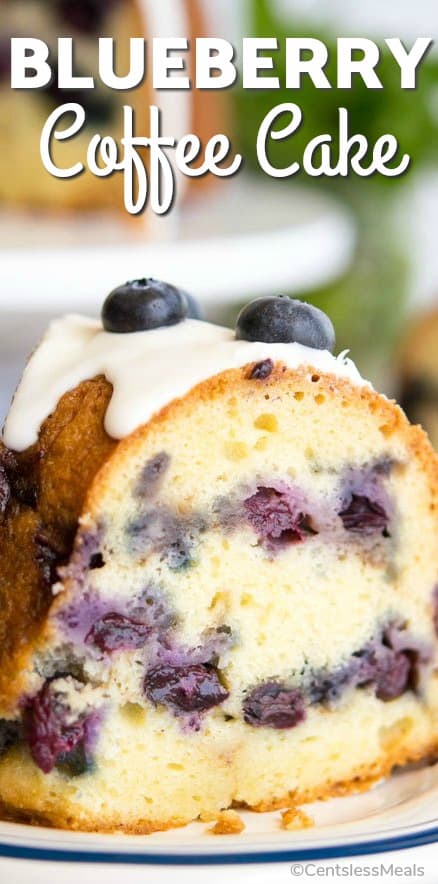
x: 218, y: 569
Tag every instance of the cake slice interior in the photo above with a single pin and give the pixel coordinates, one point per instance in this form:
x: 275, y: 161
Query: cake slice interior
x: 249, y: 613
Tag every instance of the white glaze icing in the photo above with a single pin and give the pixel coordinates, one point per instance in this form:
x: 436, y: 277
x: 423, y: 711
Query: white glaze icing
x: 147, y: 369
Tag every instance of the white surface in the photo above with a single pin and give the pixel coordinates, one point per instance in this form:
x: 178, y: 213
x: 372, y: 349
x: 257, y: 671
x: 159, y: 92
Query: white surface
x: 147, y: 369
x: 404, y: 805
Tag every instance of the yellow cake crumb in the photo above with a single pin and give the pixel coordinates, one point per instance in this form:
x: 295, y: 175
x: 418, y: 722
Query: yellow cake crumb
x: 228, y: 823
x: 295, y: 819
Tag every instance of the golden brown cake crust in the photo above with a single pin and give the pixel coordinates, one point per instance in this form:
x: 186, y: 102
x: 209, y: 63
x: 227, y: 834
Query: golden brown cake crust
x: 48, y: 484
x: 363, y: 780
x: 294, y: 819
x: 228, y: 823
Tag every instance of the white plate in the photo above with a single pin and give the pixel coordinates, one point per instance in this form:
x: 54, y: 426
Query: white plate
x: 245, y: 238
x: 396, y: 815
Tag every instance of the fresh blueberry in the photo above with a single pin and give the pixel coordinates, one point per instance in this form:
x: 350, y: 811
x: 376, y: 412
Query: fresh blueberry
x: 194, y: 687
x: 143, y: 304
x: 274, y: 705
x: 194, y: 310
x: 281, y: 320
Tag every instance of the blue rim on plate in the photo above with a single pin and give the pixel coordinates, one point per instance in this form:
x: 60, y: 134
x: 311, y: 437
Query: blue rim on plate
x: 403, y: 841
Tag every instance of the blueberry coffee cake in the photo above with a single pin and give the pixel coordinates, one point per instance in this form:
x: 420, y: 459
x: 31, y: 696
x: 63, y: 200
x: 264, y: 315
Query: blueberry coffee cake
x: 218, y: 569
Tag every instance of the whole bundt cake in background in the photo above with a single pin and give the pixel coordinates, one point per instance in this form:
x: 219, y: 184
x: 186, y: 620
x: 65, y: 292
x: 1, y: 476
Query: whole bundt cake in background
x: 218, y: 570
x: 24, y: 113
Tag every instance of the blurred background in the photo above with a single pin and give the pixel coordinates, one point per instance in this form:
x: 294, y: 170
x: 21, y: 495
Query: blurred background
x: 362, y: 249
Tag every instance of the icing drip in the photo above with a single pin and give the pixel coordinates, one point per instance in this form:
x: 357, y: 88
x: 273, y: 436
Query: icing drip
x: 146, y: 369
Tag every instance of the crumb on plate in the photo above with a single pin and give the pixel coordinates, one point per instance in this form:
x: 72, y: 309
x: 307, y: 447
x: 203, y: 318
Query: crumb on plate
x: 228, y: 823
x: 295, y: 819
